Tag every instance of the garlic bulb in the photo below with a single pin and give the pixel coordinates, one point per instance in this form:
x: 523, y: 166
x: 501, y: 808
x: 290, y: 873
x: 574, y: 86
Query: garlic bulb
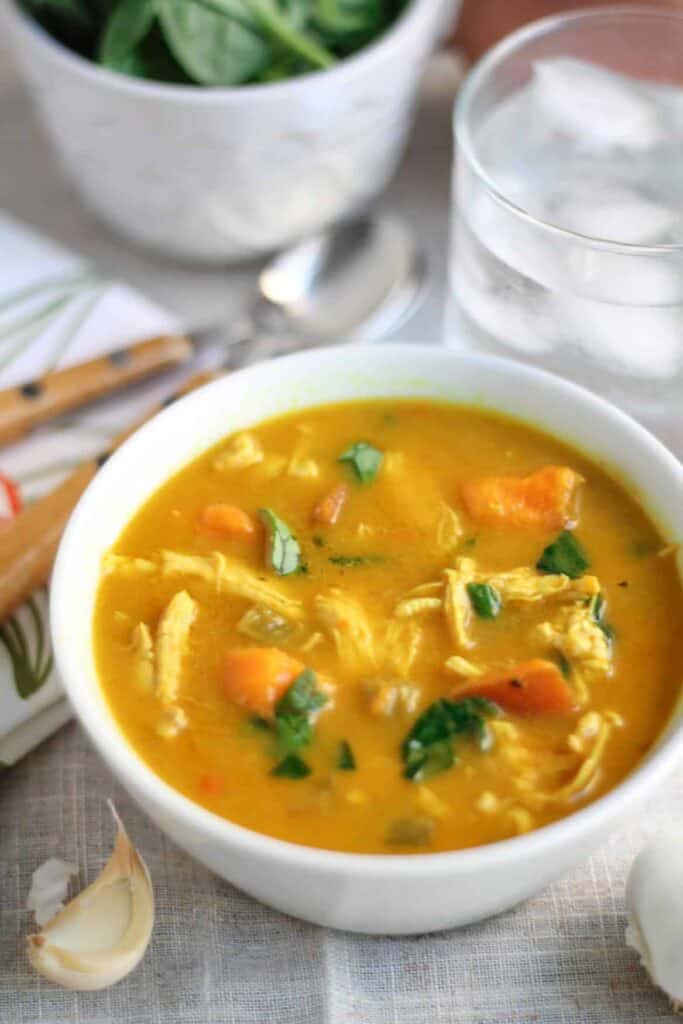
x: 654, y: 902
x: 102, y: 934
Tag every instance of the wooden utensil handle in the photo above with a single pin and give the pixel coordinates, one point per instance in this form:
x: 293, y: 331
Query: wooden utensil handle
x: 28, y: 545
x: 24, y: 407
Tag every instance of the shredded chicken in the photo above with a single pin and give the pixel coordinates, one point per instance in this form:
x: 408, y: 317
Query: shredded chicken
x: 430, y: 803
x: 385, y: 697
x: 344, y: 618
x: 171, y: 641
x: 142, y: 646
x: 456, y: 602
x: 576, y: 635
x: 462, y: 667
x: 231, y: 577
x: 527, y: 585
x: 402, y: 642
x: 448, y: 529
x: 126, y: 565
x: 242, y: 451
x: 173, y: 720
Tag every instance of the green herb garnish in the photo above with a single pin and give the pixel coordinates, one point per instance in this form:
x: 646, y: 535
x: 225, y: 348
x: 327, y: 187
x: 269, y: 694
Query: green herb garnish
x: 291, y: 767
x: 485, y: 600
x: 346, y: 762
x: 283, y: 552
x: 293, y: 710
x: 215, y: 42
x: 350, y: 560
x: 565, y: 555
x: 564, y: 665
x: 364, y: 459
x: 318, y: 540
x: 302, y: 695
x: 259, y: 724
x: 598, y: 606
x: 428, y: 748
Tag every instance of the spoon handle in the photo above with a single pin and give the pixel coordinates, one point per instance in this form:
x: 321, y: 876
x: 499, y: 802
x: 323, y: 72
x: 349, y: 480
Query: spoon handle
x: 29, y: 543
x: 27, y: 406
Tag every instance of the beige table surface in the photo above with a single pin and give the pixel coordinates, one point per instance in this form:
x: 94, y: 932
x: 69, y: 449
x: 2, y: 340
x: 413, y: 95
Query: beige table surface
x: 217, y: 956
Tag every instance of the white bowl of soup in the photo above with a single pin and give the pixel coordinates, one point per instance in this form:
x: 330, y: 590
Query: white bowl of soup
x: 385, y: 636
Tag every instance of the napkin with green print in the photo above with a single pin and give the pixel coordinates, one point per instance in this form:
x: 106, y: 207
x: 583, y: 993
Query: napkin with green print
x: 55, y: 310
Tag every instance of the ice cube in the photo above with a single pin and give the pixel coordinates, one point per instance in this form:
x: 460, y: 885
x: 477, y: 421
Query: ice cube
x: 616, y: 214
x: 514, y: 319
x: 594, y: 105
x: 624, y: 278
x: 630, y: 340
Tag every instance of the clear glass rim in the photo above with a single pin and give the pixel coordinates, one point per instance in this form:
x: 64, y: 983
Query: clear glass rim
x: 466, y: 146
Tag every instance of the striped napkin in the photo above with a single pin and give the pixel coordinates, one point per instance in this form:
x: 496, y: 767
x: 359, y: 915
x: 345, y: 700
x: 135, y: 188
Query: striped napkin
x: 55, y: 310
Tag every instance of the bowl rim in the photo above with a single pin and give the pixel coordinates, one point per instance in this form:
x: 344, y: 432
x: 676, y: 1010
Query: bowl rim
x: 395, y: 36
x: 127, y: 764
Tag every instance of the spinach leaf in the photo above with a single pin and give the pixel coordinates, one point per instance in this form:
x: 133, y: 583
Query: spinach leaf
x: 75, y: 11
x: 284, y: 553
x: 364, y: 459
x: 428, y: 748
x: 291, y: 767
x: 485, y: 600
x: 284, y: 33
x: 126, y: 27
x: 565, y: 555
x: 598, y: 606
x: 293, y: 710
x: 218, y: 46
x: 302, y: 695
x: 346, y: 762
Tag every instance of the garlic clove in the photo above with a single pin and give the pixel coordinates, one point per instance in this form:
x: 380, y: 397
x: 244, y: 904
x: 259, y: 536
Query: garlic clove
x: 102, y: 934
x: 654, y: 904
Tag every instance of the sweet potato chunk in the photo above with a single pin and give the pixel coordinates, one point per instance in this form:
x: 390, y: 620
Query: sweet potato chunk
x: 535, y: 687
x: 256, y: 677
x: 228, y: 519
x: 543, y: 499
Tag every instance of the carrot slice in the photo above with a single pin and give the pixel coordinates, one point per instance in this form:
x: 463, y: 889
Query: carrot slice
x: 535, y: 687
x: 228, y: 519
x: 256, y: 677
x: 329, y: 508
x: 211, y: 785
x: 543, y: 499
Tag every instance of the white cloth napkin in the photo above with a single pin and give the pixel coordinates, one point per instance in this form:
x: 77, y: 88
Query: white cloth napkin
x: 55, y: 311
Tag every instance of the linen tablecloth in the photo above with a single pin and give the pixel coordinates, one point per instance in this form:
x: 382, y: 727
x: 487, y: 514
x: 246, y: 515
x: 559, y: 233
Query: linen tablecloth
x: 217, y: 957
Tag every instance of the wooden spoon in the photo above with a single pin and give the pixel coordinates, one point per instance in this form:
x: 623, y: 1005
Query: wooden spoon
x: 29, y: 543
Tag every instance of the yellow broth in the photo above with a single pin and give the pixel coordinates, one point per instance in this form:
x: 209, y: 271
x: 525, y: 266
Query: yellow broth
x: 429, y: 449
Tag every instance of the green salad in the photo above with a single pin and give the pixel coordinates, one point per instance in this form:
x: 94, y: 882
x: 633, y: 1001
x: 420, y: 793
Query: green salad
x: 215, y: 42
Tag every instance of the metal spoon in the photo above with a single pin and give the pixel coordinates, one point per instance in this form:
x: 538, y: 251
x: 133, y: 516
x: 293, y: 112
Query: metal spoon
x: 355, y: 281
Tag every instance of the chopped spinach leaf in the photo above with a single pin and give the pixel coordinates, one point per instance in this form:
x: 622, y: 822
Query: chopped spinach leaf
x: 598, y: 616
x: 318, y: 540
x: 284, y: 553
x: 428, y: 747
x: 565, y: 555
x: 469, y: 542
x: 346, y: 762
x: 351, y: 560
x: 485, y: 600
x: 291, y: 767
x: 302, y: 695
x: 643, y: 548
x: 259, y: 724
x: 564, y: 665
x: 293, y: 710
x: 364, y: 459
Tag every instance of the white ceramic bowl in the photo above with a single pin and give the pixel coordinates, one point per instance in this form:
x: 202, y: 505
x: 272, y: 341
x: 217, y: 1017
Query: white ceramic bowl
x: 228, y: 174
x: 368, y: 893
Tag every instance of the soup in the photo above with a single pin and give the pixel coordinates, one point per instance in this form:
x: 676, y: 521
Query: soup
x: 390, y: 627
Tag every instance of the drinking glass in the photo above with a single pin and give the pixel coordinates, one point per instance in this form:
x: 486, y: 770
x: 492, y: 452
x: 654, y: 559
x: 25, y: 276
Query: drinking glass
x: 567, y: 237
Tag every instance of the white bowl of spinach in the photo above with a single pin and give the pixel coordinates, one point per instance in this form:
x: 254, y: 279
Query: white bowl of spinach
x: 221, y: 130
x: 215, y: 42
